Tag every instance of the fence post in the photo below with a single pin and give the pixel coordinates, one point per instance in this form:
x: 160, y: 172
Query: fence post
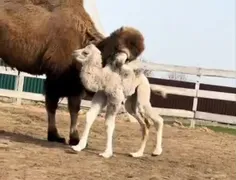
x: 195, y: 102
x: 19, y: 84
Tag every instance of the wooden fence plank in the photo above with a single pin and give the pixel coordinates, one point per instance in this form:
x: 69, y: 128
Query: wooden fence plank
x: 174, y: 90
x: 216, y: 117
x: 35, y: 97
x: 190, y: 70
x: 9, y: 71
x: 175, y: 112
x: 217, y: 95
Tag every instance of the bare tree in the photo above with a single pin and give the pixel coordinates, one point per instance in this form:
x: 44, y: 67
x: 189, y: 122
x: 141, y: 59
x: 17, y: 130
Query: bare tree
x: 177, y: 76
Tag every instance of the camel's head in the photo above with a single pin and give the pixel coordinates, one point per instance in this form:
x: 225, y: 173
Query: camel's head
x: 123, y: 45
x: 87, y: 53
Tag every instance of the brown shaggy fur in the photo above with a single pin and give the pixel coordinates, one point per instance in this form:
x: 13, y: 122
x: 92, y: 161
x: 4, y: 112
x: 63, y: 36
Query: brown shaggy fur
x: 42, y: 42
x: 124, y: 37
x: 49, y: 5
x: 37, y: 41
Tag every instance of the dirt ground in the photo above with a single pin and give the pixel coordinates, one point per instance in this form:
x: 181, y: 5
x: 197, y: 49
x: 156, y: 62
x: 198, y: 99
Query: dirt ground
x: 188, y: 154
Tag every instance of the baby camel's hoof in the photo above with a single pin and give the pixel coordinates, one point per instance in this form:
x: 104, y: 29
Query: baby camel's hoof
x: 105, y: 155
x: 157, y: 152
x: 77, y: 148
x: 136, y: 154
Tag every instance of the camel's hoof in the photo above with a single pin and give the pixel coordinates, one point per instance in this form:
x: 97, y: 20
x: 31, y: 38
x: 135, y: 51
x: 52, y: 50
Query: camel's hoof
x: 106, y: 155
x: 74, y: 138
x: 73, y: 141
x: 157, y: 152
x: 77, y: 148
x: 55, y: 137
x: 136, y: 154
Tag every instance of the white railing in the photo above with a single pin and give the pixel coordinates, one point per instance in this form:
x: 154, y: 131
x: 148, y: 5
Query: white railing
x: 195, y: 93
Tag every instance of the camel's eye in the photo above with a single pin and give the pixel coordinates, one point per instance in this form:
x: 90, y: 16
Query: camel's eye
x: 85, y: 53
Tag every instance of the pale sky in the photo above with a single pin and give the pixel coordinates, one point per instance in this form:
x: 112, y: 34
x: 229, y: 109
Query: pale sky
x: 179, y: 32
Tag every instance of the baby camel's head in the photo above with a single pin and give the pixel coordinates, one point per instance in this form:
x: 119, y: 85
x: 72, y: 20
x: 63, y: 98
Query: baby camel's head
x: 89, y: 53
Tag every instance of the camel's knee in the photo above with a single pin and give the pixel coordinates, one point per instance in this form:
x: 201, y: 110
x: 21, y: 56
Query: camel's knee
x: 142, y: 112
x: 51, y: 104
x: 110, y: 122
x: 91, y: 115
x: 146, y: 129
x: 157, y: 119
x: 74, y: 104
x: 112, y: 110
x: 74, y: 107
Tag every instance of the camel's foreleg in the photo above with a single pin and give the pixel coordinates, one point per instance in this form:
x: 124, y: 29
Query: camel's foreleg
x: 112, y: 110
x: 74, y: 107
x: 51, y: 107
x: 98, y: 103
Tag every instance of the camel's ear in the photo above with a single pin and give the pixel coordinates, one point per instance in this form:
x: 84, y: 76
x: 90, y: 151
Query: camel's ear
x: 94, y: 37
x: 92, y: 42
x: 80, y: 55
x: 92, y: 49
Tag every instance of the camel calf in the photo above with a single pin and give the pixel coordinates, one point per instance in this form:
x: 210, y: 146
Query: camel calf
x: 111, y: 86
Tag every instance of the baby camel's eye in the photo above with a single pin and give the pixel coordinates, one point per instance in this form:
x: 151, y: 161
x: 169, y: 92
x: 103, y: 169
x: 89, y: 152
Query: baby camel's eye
x: 85, y: 53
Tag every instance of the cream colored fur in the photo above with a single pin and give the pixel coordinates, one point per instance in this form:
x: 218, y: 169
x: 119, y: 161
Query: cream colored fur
x: 112, y: 86
x: 117, y: 83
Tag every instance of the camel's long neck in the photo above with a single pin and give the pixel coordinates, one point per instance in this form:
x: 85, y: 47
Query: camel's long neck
x: 92, y: 76
x: 84, y: 18
x: 95, y: 61
x: 91, y: 8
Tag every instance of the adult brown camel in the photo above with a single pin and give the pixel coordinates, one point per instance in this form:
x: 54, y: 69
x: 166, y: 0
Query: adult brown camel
x: 37, y: 41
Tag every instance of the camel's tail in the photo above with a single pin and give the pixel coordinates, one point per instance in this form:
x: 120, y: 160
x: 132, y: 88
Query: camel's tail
x: 156, y: 89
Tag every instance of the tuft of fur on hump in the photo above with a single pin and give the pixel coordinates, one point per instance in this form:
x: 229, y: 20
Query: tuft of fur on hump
x: 124, y: 39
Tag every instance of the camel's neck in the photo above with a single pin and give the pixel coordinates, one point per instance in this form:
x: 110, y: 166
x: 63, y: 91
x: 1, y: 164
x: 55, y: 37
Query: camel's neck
x: 95, y: 61
x: 82, y: 21
x: 92, y: 75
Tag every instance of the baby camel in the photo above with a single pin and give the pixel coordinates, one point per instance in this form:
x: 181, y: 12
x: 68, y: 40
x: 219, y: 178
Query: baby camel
x: 112, y: 86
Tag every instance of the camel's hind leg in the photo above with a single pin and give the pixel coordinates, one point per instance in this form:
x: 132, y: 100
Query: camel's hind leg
x: 74, y: 107
x: 98, y: 103
x: 51, y: 107
x: 145, y: 134
x: 150, y: 113
x: 130, y: 107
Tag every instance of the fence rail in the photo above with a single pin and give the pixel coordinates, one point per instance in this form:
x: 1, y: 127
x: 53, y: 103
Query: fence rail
x: 195, y: 93
x: 190, y: 70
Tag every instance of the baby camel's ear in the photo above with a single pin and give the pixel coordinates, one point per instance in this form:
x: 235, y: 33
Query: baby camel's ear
x: 77, y: 55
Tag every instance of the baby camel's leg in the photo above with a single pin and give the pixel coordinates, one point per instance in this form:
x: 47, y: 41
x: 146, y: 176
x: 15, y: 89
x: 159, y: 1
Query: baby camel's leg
x: 149, y: 112
x: 112, y: 110
x: 98, y: 103
x: 130, y: 107
x: 145, y: 134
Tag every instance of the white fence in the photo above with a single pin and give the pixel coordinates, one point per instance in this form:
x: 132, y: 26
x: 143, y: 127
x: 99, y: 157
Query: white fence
x: 195, y: 93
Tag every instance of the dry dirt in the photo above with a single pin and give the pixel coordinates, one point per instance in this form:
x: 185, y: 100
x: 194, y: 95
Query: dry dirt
x: 188, y: 154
